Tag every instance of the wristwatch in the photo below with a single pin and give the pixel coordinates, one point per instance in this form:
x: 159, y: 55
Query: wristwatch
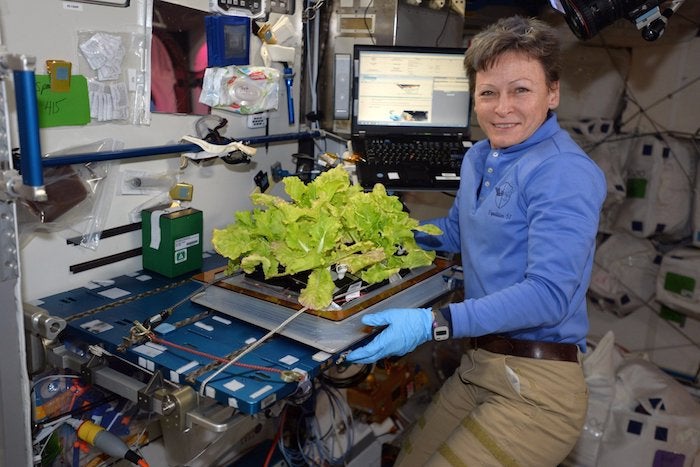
x: 442, y: 328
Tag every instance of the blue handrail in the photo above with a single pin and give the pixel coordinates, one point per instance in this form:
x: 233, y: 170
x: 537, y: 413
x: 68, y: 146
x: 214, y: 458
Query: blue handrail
x: 32, y: 163
x: 168, y: 149
x: 27, y: 119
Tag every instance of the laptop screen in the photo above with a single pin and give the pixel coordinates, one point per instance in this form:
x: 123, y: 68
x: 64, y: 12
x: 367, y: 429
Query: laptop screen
x: 416, y: 90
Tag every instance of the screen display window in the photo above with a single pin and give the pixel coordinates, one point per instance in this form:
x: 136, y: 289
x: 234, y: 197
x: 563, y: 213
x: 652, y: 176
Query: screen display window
x: 421, y: 87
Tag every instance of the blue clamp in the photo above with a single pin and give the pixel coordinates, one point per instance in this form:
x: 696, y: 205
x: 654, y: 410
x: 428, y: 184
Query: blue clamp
x: 289, y: 81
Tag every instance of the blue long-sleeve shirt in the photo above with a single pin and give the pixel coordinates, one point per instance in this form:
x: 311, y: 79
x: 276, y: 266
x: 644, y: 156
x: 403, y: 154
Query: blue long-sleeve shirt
x: 525, y: 221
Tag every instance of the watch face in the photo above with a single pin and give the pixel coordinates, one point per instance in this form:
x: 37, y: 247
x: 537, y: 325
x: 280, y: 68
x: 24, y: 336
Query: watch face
x: 441, y: 333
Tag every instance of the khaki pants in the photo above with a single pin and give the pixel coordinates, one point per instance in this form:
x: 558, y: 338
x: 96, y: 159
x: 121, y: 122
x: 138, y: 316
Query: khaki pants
x: 499, y: 410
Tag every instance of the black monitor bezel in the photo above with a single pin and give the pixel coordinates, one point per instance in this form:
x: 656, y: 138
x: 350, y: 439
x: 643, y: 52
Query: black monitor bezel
x: 360, y: 129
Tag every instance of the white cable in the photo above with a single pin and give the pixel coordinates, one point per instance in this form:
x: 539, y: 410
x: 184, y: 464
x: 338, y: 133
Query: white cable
x: 49, y: 428
x: 136, y: 444
x: 340, y: 411
x: 48, y: 439
x: 114, y: 419
x: 328, y: 134
x: 316, y: 449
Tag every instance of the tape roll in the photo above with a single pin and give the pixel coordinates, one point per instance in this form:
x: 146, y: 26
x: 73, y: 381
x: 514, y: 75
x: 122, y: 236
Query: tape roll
x: 244, y: 91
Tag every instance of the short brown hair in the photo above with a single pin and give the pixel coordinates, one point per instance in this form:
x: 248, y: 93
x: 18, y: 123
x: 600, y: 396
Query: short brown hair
x: 530, y: 36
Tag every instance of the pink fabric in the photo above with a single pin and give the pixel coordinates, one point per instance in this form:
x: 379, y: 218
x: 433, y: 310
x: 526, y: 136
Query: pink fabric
x: 162, y: 78
x: 200, y: 64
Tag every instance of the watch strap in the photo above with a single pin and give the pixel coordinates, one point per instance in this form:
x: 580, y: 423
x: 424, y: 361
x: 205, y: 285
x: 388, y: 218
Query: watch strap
x: 442, y: 324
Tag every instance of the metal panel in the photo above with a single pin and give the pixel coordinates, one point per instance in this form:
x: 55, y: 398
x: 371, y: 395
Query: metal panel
x: 15, y: 435
x: 15, y: 445
x: 418, y: 26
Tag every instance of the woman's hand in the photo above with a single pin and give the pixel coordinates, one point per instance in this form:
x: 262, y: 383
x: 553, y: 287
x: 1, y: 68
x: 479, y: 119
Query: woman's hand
x: 406, y: 329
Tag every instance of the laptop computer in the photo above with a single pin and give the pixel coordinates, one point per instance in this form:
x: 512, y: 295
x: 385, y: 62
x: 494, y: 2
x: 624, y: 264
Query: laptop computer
x: 410, y: 116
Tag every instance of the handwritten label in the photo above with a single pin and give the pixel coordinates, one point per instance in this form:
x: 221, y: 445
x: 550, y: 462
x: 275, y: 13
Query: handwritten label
x: 62, y: 108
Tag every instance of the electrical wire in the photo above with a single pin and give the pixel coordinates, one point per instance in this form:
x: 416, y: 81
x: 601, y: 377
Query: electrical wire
x: 327, y: 134
x: 278, y: 437
x: 80, y: 410
x: 318, y: 146
x: 444, y: 24
x: 660, y: 100
x: 314, y: 70
x: 250, y: 349
x: 312, y: 57
x: 48, y: 429
x: 365, y: 19
x: 642, y: 112
x: 164, y: 314
x: 308, y: 444
x: 158, y: 340
x: 339, y: 404
x: 136, y: 444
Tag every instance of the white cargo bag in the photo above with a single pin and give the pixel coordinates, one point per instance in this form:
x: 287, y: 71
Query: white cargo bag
x: 654, y: 421
x: 678, y: 281
x: 624, y: 273
x: 599, y: 365
x: 659, y: 180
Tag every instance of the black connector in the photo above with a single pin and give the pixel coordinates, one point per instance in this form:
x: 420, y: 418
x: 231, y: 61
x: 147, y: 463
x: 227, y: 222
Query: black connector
x: 276, y: 170
x: 262, y: 181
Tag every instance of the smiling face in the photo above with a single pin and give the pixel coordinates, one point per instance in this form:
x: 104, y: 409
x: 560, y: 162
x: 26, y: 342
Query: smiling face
x: 512, y: 98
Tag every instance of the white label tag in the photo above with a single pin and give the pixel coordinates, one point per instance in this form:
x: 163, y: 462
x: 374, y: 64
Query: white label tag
x: 186, y: 242
x: 354, y: 291
x: 114, y: 293
x: 147, y: 350
x: 96, y: 326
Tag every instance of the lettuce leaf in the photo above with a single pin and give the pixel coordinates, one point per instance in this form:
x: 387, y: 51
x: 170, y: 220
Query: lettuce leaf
x: 326, y: 222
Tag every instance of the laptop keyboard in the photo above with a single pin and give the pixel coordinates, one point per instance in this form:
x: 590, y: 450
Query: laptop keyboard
x: 443, y: 155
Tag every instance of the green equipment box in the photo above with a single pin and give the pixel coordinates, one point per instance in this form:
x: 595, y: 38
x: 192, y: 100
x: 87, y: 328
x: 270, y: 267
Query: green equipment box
x: 172, y: 240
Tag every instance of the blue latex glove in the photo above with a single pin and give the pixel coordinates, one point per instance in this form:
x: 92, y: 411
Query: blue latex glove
x: 406, y: 329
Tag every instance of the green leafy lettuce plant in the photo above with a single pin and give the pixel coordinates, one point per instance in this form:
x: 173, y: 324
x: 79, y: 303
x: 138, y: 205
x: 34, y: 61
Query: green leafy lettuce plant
x: 326, y: 222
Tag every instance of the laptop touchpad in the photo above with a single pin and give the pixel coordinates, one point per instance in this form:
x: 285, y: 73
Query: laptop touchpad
x: 416, y: 177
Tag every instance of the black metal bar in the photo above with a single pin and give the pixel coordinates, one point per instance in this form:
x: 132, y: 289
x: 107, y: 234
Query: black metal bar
x: 122, y: 229
x: 104, y: 261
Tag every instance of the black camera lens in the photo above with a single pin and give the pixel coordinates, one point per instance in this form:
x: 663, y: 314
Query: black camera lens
x: 587, y: 17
